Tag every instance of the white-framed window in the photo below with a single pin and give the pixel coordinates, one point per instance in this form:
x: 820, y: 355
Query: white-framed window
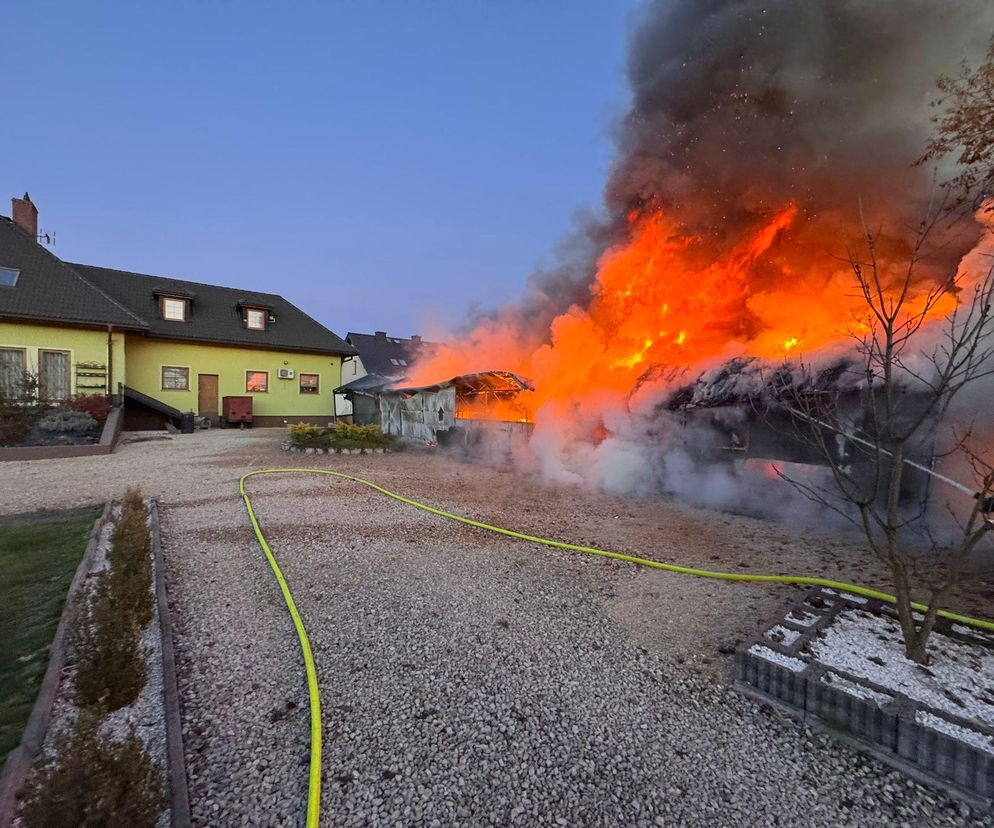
x: 175, y: 378
x: 255, y: 319
x: 173, y: 309
x: 8, y: 276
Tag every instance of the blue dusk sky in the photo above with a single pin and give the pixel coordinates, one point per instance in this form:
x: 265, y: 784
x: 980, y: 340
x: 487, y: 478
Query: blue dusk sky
x: 383, y: 165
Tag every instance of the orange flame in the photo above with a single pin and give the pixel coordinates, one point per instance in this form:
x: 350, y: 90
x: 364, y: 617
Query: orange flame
x: 666, y: 296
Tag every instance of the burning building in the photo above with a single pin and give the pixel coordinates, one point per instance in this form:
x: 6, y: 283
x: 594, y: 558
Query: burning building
x: 456, y: 409
x: 762, y: 135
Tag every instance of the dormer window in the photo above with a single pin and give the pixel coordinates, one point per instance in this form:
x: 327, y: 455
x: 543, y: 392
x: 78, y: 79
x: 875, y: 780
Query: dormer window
x: 173, y: 309
x: 255, y: 319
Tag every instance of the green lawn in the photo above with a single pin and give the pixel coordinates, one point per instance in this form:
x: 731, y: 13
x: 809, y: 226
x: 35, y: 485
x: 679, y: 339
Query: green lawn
x: 38, y: 558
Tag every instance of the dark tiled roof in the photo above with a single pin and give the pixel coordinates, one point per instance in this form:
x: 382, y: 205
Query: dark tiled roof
x: 388, y: 356
x: 215, y: 314
x: 48, y: 289
x: 368, y: 384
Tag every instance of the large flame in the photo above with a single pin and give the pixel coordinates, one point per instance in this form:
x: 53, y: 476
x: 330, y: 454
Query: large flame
x: 665, y: 296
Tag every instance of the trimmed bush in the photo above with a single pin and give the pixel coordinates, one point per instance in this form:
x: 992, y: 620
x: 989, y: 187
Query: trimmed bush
x: 340, y: 435
x: 96, y: 405
x: 131, y: 559
x: 64, y: 419
x: 95, y: 781
x: 351, y: 431
x: 302, y: 433
x: 111, y: 667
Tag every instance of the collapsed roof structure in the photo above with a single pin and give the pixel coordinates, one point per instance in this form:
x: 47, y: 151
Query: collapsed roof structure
x: 423, y: 412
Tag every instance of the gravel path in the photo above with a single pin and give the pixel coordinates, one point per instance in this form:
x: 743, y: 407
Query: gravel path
x: 467, y: 678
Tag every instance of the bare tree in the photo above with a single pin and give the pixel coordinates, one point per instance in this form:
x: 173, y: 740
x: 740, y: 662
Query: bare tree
x: 888, y: 427
x: 964, y: 129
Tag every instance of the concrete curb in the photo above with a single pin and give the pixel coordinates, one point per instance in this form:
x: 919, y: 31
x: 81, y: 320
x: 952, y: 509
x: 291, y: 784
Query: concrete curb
x: 878, y: 721
x: 179, y: 796
x: 15, y: 769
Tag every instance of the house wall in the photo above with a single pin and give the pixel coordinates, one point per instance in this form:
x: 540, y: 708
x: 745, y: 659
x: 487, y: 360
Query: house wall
x: 83, y: 344
x: 147, y: 356
x: 352, y: 369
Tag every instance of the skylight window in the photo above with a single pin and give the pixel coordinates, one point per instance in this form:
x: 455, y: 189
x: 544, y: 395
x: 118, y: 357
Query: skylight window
x: 8, y: 276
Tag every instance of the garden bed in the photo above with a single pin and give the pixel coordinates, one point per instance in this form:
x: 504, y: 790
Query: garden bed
x: 837, y: 661
x: 24, y: 421
x: 342, y: 438
x: 106, y: 439
x: 112, y: 740
x: 42, y: 557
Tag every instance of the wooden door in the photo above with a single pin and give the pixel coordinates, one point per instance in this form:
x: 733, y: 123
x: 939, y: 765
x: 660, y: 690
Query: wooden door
x: 207, y: 396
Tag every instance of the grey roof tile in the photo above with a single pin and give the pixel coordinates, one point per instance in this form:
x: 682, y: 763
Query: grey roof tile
x: 388, y: 356
x: 47, y: 289
x: 215, y: 314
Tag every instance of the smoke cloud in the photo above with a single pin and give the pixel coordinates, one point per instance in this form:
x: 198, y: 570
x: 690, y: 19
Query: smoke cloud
x: 740, y: 107
x: 752, y: 102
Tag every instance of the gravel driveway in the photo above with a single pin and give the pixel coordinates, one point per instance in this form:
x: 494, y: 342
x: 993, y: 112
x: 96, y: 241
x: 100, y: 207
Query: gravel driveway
x: 468, y: 678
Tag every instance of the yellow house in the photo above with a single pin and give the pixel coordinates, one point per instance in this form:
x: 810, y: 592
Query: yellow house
x: 165, y: 346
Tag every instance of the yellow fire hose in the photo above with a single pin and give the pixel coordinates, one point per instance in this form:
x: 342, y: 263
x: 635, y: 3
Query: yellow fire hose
x: 314, y: 787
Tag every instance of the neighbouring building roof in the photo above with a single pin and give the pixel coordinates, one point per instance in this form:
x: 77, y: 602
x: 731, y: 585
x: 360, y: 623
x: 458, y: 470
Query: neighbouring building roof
x: 49, y: 290
x: 215, y: 313
x: 368, y: 384
x: 388, y: 356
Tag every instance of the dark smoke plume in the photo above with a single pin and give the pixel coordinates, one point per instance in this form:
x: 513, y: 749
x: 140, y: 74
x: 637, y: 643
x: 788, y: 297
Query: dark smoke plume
x: 740, y: 105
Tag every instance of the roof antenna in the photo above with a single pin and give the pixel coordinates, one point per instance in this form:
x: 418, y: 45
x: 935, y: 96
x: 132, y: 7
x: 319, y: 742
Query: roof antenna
x: 47, y: 238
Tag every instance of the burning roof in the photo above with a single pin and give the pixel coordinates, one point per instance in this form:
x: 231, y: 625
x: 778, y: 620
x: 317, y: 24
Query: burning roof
x: 480, y: 382
x: 752, y: 381
x: 757, y: 128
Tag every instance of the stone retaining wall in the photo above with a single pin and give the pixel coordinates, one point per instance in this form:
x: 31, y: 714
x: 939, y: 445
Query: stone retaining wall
x: 874, y: 719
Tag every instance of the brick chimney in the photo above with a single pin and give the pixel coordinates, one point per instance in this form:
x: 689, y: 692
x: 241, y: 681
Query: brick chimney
x: 25, y: 215
x: 381, y: 336
x: 416, y: 339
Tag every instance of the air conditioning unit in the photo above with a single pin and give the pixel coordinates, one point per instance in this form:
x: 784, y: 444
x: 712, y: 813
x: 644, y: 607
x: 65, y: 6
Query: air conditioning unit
x: 285, y: 373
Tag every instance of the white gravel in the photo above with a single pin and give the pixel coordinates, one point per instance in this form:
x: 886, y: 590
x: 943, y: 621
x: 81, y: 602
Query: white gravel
x: 979, y: 740
x: 467, y: 679
x: 795, y: 665
x: 853, y: 689
x: 959, y: 679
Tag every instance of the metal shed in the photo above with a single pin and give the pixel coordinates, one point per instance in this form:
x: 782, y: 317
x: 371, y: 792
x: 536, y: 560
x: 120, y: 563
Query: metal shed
x: 422, y: 412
